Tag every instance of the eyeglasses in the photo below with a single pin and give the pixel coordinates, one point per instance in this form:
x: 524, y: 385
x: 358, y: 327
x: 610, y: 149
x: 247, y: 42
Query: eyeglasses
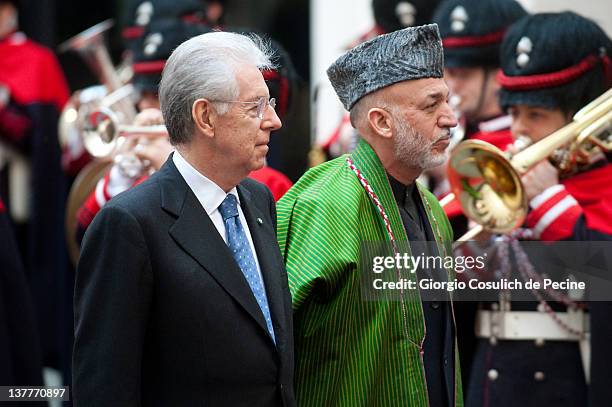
x: 261, y: 104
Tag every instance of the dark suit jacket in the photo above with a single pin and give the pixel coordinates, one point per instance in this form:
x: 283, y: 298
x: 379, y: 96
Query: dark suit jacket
x: 163, y: 314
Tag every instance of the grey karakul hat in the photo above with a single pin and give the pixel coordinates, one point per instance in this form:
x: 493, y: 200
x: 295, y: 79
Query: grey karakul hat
x: 408, y: 54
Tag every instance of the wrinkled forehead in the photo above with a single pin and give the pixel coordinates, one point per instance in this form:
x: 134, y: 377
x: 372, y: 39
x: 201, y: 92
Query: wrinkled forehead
x: 418, y: 89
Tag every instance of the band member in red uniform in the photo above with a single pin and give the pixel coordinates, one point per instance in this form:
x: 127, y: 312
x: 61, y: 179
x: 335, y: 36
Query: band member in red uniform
x: 32, y: 93
x: 553, y: 65
x: 472, y: 31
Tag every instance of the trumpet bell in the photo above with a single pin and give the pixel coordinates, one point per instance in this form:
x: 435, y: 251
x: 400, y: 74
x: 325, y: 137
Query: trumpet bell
x: 488, y: 187
x: 100, y: 133
x: 488, y: 184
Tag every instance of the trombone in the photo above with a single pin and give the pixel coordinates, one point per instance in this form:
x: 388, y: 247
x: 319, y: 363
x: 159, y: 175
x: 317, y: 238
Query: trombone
x: 90, y: 45
x: 488, y: 184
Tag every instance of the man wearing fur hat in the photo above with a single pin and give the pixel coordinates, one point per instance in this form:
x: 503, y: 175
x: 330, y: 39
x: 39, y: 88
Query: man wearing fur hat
x: 389, y: 16
x: 350, y: 350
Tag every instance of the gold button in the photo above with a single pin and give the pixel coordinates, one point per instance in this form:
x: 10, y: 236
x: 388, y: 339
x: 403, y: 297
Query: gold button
x: 493, y: 374
x: 539, y: 376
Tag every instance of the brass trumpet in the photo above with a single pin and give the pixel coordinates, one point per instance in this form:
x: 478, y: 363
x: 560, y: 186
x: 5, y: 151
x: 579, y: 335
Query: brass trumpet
x: 104, y: 132
x: 488, y: 184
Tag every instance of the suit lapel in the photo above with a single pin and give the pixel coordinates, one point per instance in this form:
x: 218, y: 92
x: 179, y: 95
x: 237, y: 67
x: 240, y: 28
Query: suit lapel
x: 270, y: 261
x: 195, y: 233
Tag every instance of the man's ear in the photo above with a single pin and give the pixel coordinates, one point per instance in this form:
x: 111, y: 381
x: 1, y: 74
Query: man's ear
x: 381, y: 122
x: 204, y: 117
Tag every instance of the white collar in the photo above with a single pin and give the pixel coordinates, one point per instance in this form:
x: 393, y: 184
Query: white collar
x: 208, y: 193
x: 16, y: 38
x: 496, y: 124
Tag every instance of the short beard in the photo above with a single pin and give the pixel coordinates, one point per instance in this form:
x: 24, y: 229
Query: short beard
x: 414, y: 150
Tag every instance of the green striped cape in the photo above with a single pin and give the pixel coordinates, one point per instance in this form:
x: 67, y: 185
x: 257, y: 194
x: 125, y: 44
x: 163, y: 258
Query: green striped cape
x: 349, y: 351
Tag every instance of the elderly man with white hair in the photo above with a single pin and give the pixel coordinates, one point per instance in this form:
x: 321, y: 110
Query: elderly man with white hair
x: 181, y: 294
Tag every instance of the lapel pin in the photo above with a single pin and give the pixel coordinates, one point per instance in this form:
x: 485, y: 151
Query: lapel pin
x: 260, y: 221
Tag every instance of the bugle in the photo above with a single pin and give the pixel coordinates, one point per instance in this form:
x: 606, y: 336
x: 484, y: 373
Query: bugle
x: 488, y: 184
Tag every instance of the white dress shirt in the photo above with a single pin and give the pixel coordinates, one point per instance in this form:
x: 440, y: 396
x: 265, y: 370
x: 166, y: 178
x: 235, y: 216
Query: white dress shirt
x: 210, y: 196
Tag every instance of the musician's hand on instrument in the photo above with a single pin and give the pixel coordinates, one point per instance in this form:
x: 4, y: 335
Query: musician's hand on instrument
x: 126, y: 144
x: 149, y: 117
x: 511, y: 150
x: 541, y: 177
x: 154, y: 150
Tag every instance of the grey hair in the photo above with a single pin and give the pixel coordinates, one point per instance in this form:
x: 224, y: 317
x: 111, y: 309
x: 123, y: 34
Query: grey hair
x: 205, y: 67
x: 358, y: 113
